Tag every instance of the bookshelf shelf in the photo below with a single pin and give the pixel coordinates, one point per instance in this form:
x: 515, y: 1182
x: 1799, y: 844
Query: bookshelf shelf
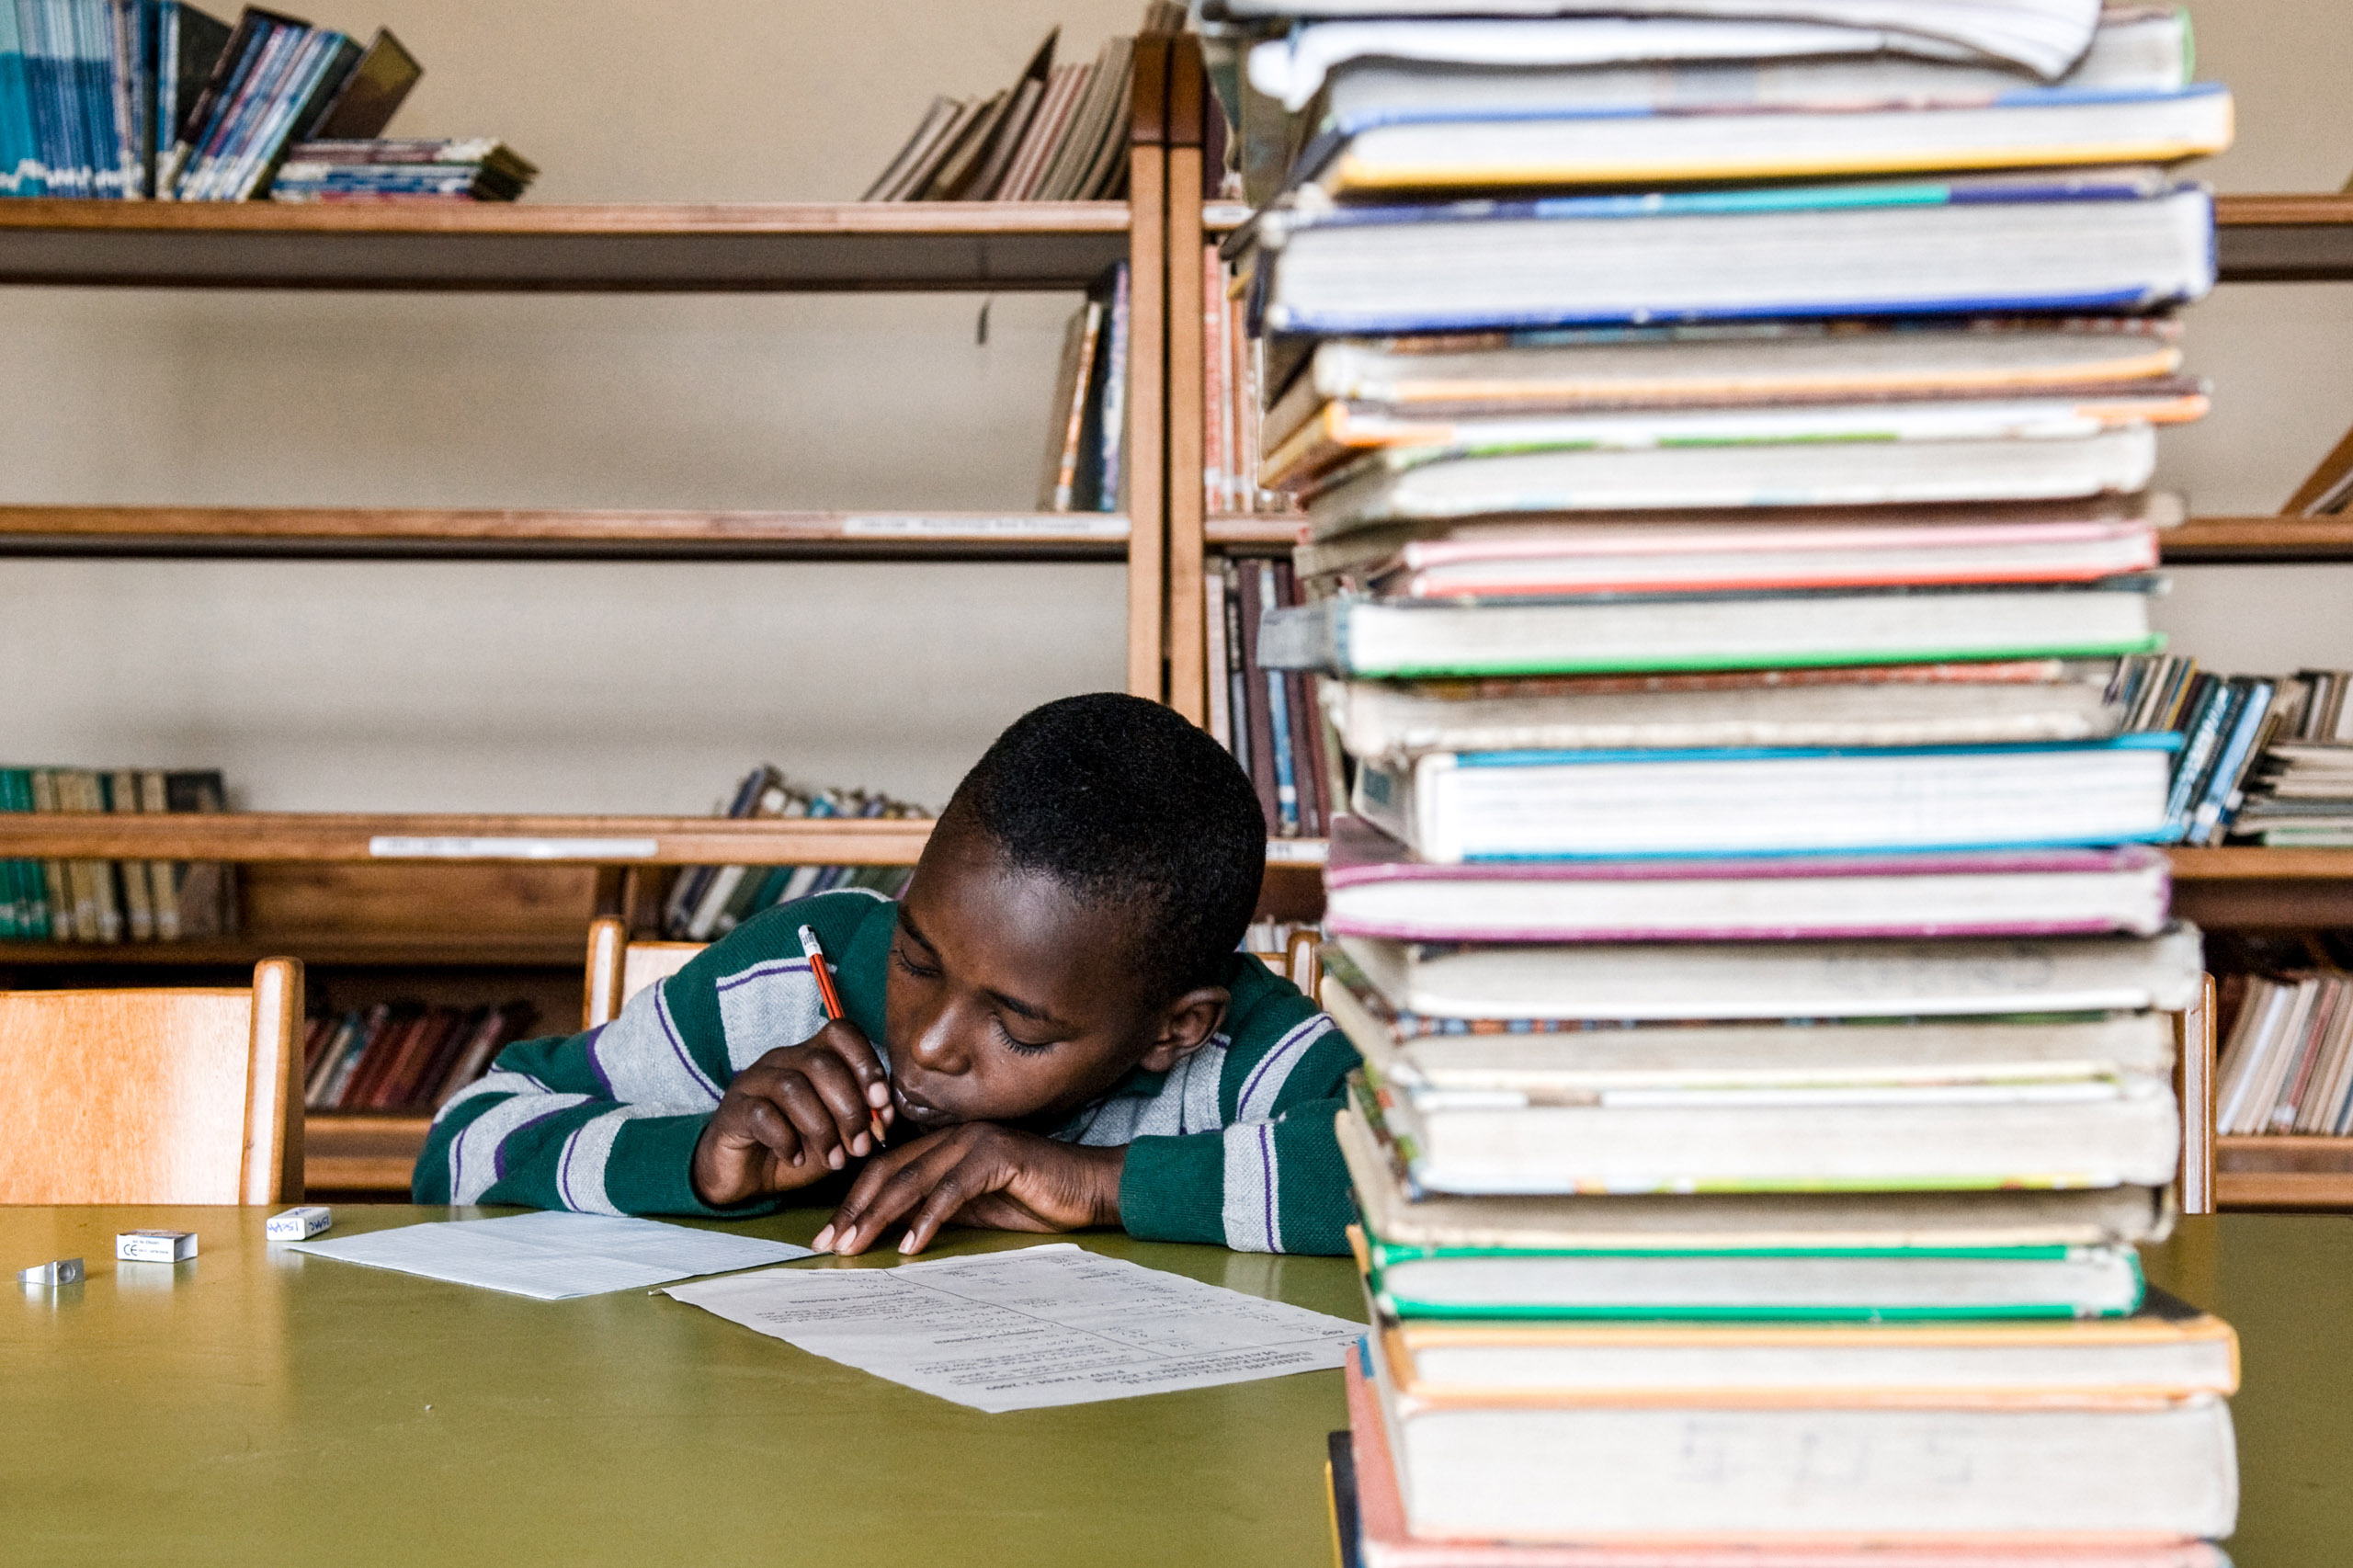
x: 425, y: 840
x: 362, y: 1151
x: 367, y: 533
x: 2284, y: 1172
x: 481, y: 951
x: 505, y: 246
x: 2284, y: 239
x: 2225, y: 540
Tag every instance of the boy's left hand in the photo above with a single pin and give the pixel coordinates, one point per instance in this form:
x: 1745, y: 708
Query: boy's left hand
x: 983, y: 1175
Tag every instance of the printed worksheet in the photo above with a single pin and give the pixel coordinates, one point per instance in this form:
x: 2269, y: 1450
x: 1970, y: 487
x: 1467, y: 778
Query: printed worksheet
x: 552, y: 1257
x: 1022, y: 1330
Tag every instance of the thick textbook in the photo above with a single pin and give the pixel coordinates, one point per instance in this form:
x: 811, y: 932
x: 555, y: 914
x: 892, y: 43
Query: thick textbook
x: 1397, y: 485
x: 1451, y: 806
x: 1394, y: 147
x: 2166, y: 1350
x: 1997, y: 1216
x: 2120, y: 1487
x: 1374, y: 886
x: 1882, y: 705
x: 1341, y: 436
x: 1709, y: 363
x: 1351, y: 634
x: 2117, y: 240
x: 1368, y: 1522
x: 2047, y: 36
x: 1974, y: 977
x: 1746, y: 1284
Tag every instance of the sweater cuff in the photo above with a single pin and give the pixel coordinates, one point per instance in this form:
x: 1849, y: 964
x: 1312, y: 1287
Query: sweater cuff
x: 651, y: 1171
x: 1173, y: 1189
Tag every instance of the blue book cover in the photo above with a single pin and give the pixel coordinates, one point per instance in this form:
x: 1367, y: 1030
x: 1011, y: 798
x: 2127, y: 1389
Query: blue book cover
x: 20, y: 160
x: 2246, y: 722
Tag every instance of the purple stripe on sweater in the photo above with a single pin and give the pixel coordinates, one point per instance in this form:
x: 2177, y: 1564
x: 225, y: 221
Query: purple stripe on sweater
x: 588, y: 1043
x: 498, y: 1158
x: 1266, y: 1166
x: 759, y: 971
x: 1274, y: 1054
x: 670, y: 1033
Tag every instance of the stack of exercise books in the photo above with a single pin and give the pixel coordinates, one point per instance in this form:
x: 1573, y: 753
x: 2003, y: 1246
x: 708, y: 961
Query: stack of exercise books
x: 1723, y: 444
x: 404, y: 1055
x: 128, y: 99
x: 480, y: 169
x: 114, y: 901
x: 705, y: 902
x: 1086, y: 431
x: 1058, y: 134
x: 1267, y: 718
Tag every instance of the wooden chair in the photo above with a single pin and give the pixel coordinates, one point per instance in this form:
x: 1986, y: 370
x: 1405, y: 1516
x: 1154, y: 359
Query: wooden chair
x: 619, y: 969
x: 177, y: 1096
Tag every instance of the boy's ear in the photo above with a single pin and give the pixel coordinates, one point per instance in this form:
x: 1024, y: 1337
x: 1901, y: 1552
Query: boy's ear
x: 1186, y: 1024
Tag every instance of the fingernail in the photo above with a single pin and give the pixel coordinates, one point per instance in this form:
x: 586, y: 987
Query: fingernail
x: 847, y: 1240
x: 908, y: 1242
x: 860, y: 1144
x: 878, y: 1095
x: 834, y: 1158
x: 824, y: 1239
x: 796, y: 1161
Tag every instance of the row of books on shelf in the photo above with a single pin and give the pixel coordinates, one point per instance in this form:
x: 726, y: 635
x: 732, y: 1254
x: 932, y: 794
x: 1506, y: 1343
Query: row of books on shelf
x: 130, y: 99
x: 705, y: 902
x: 2265, y: 759
x: 411, y: 169
x: 1267, y: 718
x: 1087, y: 433
x: 1058, y: 134
x: 1234, y: 372
x: 1747, y: 920
x: 114, y: 901
x: 2284, y: 1013
x: 404, y: 1055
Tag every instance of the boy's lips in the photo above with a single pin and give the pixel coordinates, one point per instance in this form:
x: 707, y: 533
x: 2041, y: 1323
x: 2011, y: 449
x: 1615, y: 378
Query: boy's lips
x: 914, y: 1109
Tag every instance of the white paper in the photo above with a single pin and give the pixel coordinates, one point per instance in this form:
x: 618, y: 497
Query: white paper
x: 1044, y: 1326
x: 553, y: 1255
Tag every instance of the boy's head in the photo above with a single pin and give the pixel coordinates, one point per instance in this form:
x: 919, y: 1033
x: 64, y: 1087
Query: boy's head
x: 1073, y: 916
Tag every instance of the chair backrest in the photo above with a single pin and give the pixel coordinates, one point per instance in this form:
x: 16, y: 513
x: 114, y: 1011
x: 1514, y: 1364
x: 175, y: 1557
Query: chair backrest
x: 153, y: 1096
x: 619, y: 969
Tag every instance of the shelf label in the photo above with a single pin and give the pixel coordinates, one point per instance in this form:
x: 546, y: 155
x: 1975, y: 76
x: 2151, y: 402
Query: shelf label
x: 396, y: 848
x: 1054, y: 525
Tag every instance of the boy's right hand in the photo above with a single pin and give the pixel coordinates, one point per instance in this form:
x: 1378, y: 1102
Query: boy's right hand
x: 792, y: 1118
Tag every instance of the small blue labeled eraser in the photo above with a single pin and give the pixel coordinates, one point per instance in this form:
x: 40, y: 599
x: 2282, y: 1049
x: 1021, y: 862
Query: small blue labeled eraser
x: 64, y: 1271
x: 154, y: 1246
x: 299, y: 1224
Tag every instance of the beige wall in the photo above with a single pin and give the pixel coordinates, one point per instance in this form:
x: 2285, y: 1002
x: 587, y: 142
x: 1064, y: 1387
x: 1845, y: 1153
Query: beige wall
x: 629, y: 687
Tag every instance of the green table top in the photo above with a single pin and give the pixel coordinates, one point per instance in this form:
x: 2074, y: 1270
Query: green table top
x: 259, y: 1407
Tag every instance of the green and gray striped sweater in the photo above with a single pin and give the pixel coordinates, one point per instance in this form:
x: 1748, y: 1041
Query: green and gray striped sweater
x: 1235, y: 1145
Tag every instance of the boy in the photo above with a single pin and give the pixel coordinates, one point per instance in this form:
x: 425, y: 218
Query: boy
x: 1053, y: 1029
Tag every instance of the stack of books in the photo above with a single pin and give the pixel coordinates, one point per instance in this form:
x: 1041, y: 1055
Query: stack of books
x: 705, y: 902
x: 404, y: 1055
x: 127, y: 100
x: 1058, y: 133
x: 114, y: 901
x: 481, y: 169
x: 1753, y: 930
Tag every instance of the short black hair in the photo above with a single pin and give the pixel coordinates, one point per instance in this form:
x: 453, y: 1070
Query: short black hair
x: 1127, y: 805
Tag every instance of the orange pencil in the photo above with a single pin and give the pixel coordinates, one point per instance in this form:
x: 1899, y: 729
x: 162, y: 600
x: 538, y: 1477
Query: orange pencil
x: 833, y: 1001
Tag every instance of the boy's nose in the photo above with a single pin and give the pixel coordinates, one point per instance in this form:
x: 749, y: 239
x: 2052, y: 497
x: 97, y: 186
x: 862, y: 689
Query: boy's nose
x: 938, y: 1044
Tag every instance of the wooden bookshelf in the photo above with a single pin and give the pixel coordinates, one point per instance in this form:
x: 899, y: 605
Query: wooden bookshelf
x: 362, y: 1151
x: 2242, y: 540
x: 517, y: 246
x: 2284, y: 1172
x: 2249, y: 886
x: 341, y: 951
x: 368, y: 533
x: 421, y: 839
x: 2284, y: 239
